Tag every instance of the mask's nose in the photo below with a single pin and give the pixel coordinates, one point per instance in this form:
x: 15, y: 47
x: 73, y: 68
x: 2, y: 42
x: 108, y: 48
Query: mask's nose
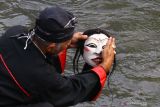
x: 98, y: 50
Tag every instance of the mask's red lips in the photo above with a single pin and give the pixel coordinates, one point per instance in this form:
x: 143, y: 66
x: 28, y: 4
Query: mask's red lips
x: 97, y: 60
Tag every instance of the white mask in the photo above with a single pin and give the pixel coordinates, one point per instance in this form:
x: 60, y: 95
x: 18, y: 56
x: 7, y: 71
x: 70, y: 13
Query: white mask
x: 93, y: 47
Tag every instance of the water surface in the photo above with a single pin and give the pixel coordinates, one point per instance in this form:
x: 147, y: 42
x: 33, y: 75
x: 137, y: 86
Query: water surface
x: 136, y: 26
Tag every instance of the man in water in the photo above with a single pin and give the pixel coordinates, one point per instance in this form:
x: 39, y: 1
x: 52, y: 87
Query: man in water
x: 31, y: 63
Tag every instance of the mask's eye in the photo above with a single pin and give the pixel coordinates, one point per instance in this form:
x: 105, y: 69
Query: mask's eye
x: 92, y: 45
x: 103, y: 46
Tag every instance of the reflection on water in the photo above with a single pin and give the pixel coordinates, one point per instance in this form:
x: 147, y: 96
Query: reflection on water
x: 135, y: 24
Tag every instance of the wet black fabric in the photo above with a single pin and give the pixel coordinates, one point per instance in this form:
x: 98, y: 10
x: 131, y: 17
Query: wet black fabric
x: 41, y: 79
x: 41, y: 104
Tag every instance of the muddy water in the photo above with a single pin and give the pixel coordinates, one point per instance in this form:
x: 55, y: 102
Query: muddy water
x: 136, y: 26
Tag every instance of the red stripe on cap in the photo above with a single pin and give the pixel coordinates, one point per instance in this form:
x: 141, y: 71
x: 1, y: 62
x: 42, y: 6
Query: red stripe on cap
x: 14, y: 79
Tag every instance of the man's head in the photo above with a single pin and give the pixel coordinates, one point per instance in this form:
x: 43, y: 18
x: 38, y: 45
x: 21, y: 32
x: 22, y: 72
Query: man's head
x: 55, y: 26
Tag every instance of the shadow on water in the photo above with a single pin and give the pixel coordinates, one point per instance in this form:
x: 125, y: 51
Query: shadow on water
x: 136, y: 26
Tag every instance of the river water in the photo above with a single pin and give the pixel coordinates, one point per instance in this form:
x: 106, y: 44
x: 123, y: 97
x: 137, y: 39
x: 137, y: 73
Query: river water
x: 136, y: 26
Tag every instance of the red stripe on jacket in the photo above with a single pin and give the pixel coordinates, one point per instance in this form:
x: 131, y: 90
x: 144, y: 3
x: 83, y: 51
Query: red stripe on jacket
x: 62, y: 58
x: 13, y: 78
x: 102, y: 76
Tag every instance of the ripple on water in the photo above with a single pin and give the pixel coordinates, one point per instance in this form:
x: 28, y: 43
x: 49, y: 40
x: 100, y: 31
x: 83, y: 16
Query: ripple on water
x: 135, y: 24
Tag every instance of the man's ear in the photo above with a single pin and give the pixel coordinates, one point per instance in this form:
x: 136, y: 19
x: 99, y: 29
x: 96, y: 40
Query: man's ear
x: 51, y: 46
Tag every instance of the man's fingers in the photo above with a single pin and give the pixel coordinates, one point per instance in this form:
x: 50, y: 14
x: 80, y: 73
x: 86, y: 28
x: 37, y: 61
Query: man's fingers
x: 83, y: 37
x: 113, y: 44
x: 80, y: 36
x: 110, y: 40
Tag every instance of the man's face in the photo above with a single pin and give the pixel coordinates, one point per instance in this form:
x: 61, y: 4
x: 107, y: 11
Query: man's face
x: 55, y: 48
x: 93, y: 47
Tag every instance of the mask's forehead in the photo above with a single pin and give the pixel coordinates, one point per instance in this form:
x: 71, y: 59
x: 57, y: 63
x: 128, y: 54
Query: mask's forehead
x: 96, y: 38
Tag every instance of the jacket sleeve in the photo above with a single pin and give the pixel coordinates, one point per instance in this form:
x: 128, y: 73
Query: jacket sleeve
x: 65, y: 91
x: 102, y: 77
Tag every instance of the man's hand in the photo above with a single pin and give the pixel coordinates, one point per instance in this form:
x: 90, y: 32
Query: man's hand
x: 108, y: 54
x: 76, y: 37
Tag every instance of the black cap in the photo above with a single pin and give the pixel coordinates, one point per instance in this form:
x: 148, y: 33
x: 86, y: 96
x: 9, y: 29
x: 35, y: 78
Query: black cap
x: 55, y: 24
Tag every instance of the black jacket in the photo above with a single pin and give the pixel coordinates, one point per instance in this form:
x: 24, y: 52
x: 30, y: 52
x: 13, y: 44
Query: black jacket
x: 27, y: 77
